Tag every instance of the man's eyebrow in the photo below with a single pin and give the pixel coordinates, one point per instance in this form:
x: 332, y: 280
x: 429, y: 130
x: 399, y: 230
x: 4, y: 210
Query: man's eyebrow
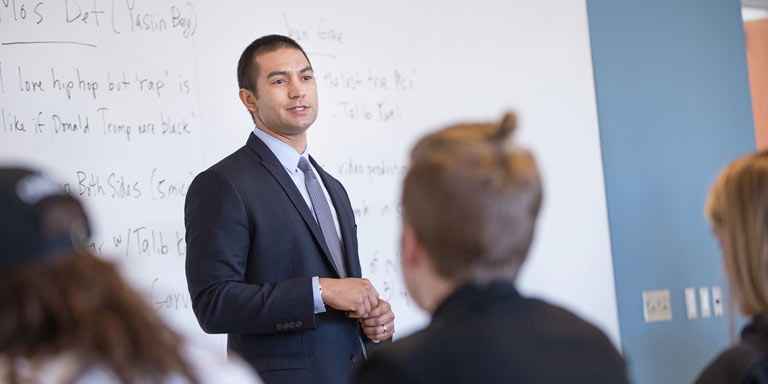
x: 277, y: 73
x: 285, y: 73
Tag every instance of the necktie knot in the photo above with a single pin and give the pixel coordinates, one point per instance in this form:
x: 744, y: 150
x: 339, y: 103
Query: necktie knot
x: 304, y: 165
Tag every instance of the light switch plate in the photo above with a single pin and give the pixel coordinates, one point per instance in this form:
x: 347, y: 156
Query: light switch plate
x: 690, y: 303
x: 717, y: 300
x: 656, y: 306
x: 704, y: 301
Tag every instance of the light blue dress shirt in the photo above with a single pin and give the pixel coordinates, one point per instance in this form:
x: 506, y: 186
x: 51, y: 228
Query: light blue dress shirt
x: 289, y: 158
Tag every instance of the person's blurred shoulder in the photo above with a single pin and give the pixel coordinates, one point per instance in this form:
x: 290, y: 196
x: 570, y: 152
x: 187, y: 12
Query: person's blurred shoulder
x: 216, y: 368
x: 733, y: 364
x: 393, y: 363
x: 68, y: 367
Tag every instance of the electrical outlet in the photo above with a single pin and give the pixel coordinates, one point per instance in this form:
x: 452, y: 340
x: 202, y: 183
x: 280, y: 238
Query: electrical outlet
x: 656, y: 306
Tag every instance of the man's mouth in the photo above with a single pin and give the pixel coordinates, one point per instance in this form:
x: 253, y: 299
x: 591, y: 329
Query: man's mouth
x: 298, y: 108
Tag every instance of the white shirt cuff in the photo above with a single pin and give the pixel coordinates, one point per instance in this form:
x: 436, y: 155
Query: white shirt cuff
x: 317, y: 296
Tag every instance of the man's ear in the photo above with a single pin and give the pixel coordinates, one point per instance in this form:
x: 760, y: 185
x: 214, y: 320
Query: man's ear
x: 411, y: 247
x: 249, y: 100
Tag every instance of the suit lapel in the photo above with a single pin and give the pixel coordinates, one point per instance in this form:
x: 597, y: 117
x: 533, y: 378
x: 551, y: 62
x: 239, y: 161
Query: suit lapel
x: 270, y: 162
x: 346, y: 221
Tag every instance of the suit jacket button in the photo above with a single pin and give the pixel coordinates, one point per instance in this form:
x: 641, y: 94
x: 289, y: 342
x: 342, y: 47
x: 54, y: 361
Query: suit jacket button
x: 279, y: 327
x: 299, y: 323
x: 357, y: 357
x: 292, y: 324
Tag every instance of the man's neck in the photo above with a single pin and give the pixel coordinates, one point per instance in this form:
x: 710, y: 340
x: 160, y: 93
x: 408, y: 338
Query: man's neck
x: 439, y: 291
x: 298, y: 142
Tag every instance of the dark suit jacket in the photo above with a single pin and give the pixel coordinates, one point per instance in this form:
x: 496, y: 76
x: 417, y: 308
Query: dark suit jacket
x: 493, y: 335
x: 252, y: 248
x: 745, y: 362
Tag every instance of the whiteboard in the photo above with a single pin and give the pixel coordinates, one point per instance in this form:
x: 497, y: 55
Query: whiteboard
x: 127, y: 100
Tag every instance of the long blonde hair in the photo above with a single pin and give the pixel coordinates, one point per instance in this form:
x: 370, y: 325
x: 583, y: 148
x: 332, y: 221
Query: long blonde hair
x: 737, y: 207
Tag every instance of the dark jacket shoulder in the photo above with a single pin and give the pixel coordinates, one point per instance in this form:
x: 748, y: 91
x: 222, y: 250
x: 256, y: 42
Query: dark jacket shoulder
x: 492, y: 334
x: 242, y: 161
x: 744, y: 362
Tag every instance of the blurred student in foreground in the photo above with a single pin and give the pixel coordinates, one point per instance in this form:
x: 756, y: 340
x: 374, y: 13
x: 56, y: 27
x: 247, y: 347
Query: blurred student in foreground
x: 470, y: 202
x: 67, y: 316
x: 737, y: 208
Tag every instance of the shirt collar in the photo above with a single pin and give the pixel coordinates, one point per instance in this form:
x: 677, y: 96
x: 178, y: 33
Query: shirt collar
x: 287, y: 156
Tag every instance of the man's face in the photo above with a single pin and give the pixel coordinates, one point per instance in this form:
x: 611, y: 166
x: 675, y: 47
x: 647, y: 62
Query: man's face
x: 287, y: 93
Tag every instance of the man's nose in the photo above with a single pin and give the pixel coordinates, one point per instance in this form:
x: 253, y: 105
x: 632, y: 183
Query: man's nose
x: 296, y: 89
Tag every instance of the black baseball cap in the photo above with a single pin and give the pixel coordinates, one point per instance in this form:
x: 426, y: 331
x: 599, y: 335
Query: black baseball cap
x: 38, y: 219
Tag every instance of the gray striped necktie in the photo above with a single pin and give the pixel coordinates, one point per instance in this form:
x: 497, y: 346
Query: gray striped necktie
x: 324, y: 216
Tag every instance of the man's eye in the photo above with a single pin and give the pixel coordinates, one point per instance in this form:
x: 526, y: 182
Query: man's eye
x: 307, y: 77
x: 279, y: 81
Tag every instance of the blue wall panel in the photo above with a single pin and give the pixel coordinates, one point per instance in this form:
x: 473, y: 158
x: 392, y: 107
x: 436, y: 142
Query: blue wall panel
x: 674, y: 107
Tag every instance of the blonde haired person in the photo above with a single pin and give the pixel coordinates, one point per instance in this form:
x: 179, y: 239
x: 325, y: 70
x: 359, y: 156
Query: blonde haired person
x: 470, y: 203
x: 738, y: 211
x: 67, y: 316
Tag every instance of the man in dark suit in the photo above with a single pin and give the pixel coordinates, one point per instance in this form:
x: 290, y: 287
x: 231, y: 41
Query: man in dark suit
x: 470, y: 202
x: 272, y: 257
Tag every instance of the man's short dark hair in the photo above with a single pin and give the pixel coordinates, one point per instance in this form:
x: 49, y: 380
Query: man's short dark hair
x: 247, y: 71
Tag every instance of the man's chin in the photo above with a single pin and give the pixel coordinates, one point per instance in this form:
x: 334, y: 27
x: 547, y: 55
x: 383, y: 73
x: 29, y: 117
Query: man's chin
x: 294, y: 129
x: 301, y: 126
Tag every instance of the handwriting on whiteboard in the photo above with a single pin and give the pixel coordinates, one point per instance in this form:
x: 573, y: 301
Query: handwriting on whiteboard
x: 115, y: 17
